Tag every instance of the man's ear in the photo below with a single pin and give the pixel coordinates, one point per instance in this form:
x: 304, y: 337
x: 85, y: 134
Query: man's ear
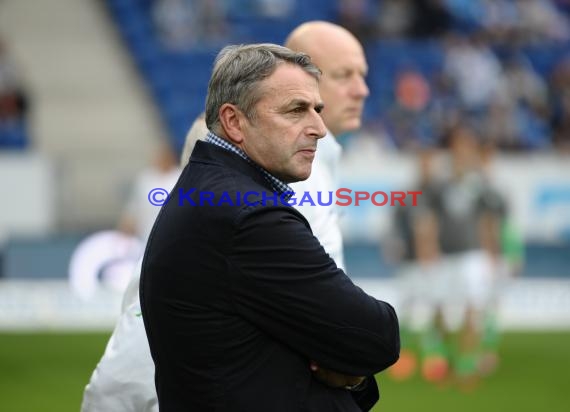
x: 231, y: 121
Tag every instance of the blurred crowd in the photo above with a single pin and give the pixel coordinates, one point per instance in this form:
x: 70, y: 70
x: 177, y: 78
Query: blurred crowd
x: 502, y: 21
x: 505, y: 98
x: 486, y: 77
x: 504, y: 65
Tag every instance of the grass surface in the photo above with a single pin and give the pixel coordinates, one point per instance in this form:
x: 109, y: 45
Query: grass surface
x: 47, y: 372
x: 533, y: 376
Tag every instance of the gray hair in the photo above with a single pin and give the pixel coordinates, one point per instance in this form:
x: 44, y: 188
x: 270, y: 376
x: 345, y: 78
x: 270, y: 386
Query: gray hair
x: 238, y: 69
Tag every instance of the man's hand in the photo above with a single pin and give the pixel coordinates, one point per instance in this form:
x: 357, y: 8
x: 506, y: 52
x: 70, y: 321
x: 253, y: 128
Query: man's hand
x: 335, y: 379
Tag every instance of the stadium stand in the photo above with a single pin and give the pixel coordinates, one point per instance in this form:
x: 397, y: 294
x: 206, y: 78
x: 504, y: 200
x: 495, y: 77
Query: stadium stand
x: 178, y: 77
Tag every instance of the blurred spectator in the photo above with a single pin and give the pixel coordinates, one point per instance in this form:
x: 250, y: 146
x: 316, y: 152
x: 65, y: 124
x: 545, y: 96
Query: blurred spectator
x: 517, y: 116
x: 412, y: 90
x: 254, y: 9
x: 13, y: 103
x: 394, y: 18
x: 522, y: 84
x: 445, y: 109
x: 560, y: 102
x: 431, y: 18
x: 475, y: 70
x: 510, y: 21
x: 183, y: 24
x: 500, y: 125
x: 499, y: 20
x: 175, y: 23
x: 541, y: 21
x: 561, y: 137
x: 277, y: 9
x: 407, y: 121
x: 467, y: 14
x: 358, y: 16
x: 563, y: 6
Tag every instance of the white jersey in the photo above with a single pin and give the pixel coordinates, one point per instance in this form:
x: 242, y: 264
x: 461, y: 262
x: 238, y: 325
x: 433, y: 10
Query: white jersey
x: 139, y: 206
x: 324, y: 220
x: 124, y: 378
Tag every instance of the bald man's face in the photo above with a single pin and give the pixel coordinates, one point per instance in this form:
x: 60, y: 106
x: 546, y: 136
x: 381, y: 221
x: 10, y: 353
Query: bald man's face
x: 342, y: 86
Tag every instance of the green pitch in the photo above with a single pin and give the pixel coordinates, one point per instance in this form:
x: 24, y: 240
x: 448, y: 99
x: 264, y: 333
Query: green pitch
x: 48, y: 371
x: 533, y: 375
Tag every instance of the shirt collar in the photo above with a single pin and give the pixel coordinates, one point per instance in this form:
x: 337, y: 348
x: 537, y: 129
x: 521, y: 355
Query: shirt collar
x: 277, y: 185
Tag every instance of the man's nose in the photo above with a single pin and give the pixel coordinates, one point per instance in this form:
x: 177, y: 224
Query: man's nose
x: 318, y: 128
x: 360, y: 88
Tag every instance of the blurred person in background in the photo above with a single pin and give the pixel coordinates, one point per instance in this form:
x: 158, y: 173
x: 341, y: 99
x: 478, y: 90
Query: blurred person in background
x: 474, y: 69
x: 431, y: 18
x: 505, y: 246
x: 14, y: 110
x: 139, y: 214
x: 184, y: 24
x: 124, y: 377
x: 408, y: 121
x: 127, y: 362
x: 394, y: 18
x: 107, y: 258
x: 359, y: 18
x: 14, y: 103
x: 516, y: 117
x: 459, y: 231
x: 559, y: 91
x: 540, y: 21
x: 406, y: 246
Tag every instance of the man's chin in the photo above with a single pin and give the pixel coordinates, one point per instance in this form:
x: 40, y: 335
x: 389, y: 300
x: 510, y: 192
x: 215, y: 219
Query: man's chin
x: 352, y: 125
x: 297, y: 177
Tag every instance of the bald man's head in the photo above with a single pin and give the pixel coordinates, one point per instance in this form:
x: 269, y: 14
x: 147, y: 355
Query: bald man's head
x: 340, y: 57
x: 319, y: 38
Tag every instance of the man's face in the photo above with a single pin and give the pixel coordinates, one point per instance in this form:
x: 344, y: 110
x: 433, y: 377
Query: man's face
x: 282, y: 138
x: 343, y: 86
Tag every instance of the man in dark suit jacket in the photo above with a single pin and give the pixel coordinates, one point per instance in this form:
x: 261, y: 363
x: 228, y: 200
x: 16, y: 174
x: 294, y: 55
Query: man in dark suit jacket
x: 243, y: 309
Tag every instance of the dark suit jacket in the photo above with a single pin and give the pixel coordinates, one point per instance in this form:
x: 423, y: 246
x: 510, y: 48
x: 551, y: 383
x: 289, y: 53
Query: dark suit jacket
x: 237, y: 299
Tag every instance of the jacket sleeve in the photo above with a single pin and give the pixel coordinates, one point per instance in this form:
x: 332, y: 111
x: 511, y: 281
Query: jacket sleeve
x: 288, y: 286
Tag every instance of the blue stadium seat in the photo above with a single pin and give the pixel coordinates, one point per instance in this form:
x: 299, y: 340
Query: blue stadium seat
x: 14, y: 134
x: 545, y: 57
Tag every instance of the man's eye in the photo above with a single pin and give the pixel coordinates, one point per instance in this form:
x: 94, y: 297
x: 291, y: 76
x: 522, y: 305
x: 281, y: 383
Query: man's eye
x: 342, y: 76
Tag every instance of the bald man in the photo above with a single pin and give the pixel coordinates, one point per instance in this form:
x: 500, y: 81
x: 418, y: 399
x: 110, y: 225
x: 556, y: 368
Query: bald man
x: 341, y: 59
x: 343, y: 90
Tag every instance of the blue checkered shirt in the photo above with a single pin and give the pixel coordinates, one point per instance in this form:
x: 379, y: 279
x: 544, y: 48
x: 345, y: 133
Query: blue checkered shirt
x: 277, y: 185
